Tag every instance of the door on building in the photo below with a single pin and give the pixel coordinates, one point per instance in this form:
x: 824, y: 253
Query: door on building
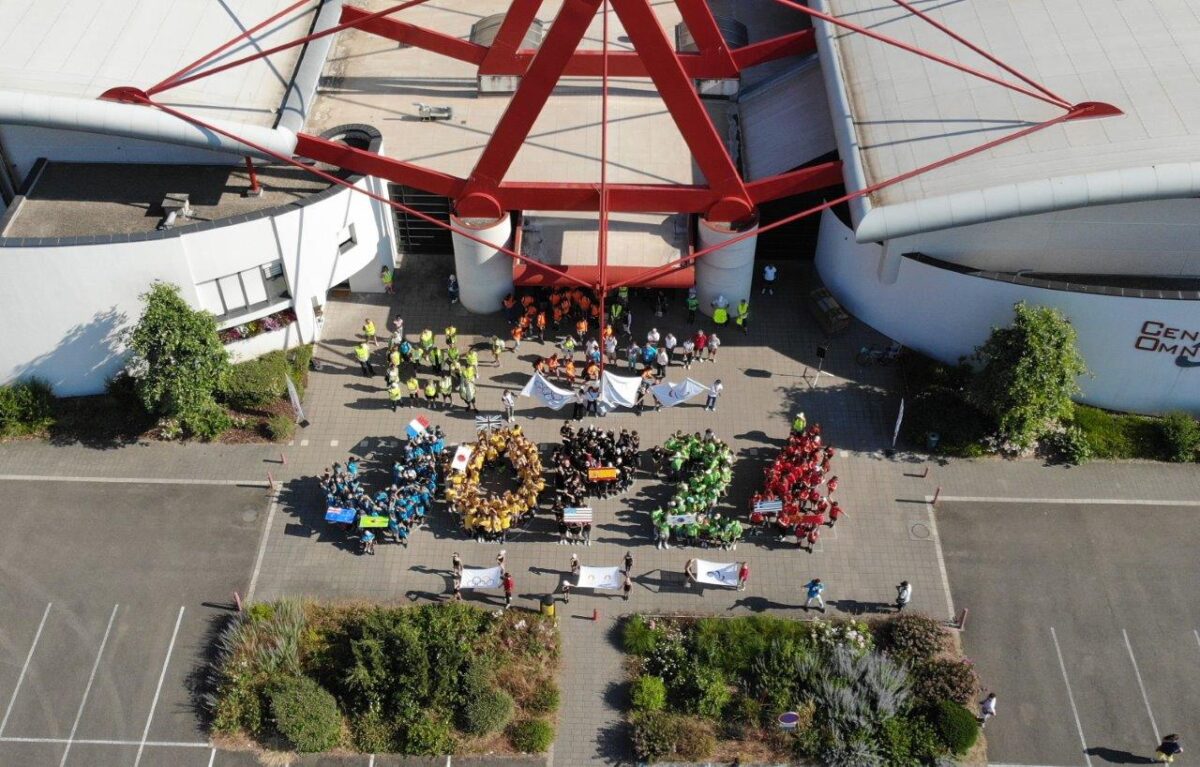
x: 415, y: 235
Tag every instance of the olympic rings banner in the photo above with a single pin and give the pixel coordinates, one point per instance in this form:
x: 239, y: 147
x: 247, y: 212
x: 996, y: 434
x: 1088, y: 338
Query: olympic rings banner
x: 550, y: 395
x: 670, y: 395
x: 717, y: 573
x: 489, y: 578
x: 619, y: 391
x: 601, y: 578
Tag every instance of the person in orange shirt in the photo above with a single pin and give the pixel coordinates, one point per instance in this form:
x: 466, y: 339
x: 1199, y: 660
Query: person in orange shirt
x: 581, y: 329
x: 585, y: 301
x: 569, y: 371
x: 517, y: 333
x: 527, y: 301
x: 541, y: 326
x: 523, y: 323
x: 558, y: 315
x: 595, y: 313
x: 593, y: 371
x: 552, y: 364
x: 608, y: 331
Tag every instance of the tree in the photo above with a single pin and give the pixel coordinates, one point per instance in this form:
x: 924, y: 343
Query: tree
x: 177, y: 362
x: 1028, y: 373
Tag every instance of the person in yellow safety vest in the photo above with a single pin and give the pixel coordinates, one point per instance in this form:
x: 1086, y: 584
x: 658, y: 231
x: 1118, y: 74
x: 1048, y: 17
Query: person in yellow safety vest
x: 426, y: 338
x: 446, y: 389
x: 451, y: 335
x: 362, y: 353
x: 799, y: 423
x: 720, y: 314
x: 394, y: 395
x: 743, y: 314
x: 385, y: 276
x: 469, y: 373
x: 394, y: 357
x: 615, y: 311
x: 431, y: 392
x: 497, y: 348
x: 414, y: 391
x: 369, y: 332
x: 472, y: 358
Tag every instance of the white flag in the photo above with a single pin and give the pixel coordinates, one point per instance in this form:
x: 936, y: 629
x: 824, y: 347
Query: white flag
x: 550, y: 395
x: 294, y: 396
x: 619, y: 390
x: 479, y: 578
x: 899, y: 420
x: 599, y: 578
x: 717, y: 573
x: 670, y: 395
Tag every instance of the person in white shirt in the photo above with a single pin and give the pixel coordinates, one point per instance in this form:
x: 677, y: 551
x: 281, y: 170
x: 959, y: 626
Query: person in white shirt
x: 769, y: 279
x: 652, y: 337
x: 903, y: 595
x: 669, y: 343
x: 714, y: 391
x: 714, y: 343
x: 509, y: 404
x: 987, y: 709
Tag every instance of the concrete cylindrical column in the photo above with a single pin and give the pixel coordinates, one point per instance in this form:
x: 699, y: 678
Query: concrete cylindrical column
x: 728, y: 271
x: 485, y: 275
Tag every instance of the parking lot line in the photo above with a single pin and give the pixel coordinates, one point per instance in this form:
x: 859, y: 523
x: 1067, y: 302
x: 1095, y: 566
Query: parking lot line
x: 1196, y: 634
x: 262, y: 550
x: 158, y: 689
x: 941, y: 557
x: 108, y: 742
x: 212, y: 757
x: 1066, y: 501
x: 1141, y: 686
x: 25, y: 667
x: 1071, y: 698
x: 87, y: 690
x: 132, y: 480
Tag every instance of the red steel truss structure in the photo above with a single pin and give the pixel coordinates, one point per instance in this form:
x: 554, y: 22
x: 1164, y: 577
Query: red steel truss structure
x: 486, y: 194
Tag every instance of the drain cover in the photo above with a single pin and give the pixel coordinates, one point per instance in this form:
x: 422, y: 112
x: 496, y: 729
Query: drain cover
x: 920, y: 531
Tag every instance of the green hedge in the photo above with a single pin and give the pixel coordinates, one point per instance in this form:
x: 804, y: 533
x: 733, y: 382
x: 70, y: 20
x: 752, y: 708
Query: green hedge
x: 1118, y: 435
x: 26, y: 407
x: 957, y: 727
x: 256, y: 383
x: 306, y: 714
x: 531, y: 736
x: 1181, y: 437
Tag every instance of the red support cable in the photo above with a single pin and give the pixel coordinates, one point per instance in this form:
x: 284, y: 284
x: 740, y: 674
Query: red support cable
x: 568, y: 29
x: 332, y: 179
x: 517, y: 20
x: 1061, y: 104
x: 285, y: 46
x: 687, y: 110
x: 243, y: 36
x: 1085, y: 110
x: 972, y: 46
x: 603, y: 225
x: 410, y: 34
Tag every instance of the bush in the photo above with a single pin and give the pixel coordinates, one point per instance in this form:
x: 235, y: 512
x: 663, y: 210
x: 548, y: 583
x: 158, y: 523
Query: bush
x: 909, y: 741
x: 544, y: 698
x: 206, y: 421
x: 372, y: 734
x: 26, y: 407
x: 956, y: 727
x: 960, y: 425
x: 1067, y: 445
x: 426, y: 734
x: 913, y: 638
x: 256, y: 383
x: 306, y: 714
x: 945, y: 679
x: 638, y: 638
x: 657, y: 734
x: 649, y: 693
x: 1180, y: 436
x: 711, y: 692
x: 531, y: 736
x: 281, y: 426
x: 298, y: 361
x: 487, y: 711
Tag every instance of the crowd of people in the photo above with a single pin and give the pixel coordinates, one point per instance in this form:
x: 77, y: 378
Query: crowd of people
x: 489, y: 517
x: 580, y: 452
x: 801, y: 480
x: 702, y: 468
x: 424, y: 371
x: 405, y: 503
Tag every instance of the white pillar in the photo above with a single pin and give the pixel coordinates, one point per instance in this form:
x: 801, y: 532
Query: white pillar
x: 728, y: 271
x: 485, y: 275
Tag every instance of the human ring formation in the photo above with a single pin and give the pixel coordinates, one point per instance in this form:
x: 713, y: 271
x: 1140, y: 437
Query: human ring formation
x: 490, y: 517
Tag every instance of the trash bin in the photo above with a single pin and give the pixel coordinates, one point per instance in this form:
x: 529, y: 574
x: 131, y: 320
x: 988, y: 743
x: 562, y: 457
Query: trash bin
x: 548, y: 605
x: 932, y: 439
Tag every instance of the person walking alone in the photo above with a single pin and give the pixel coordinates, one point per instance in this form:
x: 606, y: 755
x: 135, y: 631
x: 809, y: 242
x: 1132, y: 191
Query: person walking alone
x: 714, y: 391
x: 769, y: 279
x: 903, y: 595
x: 362, y: 353
x: 628, y: 562
x: 369, y: 335
x: 575, y: 565
x: 510, y: 405
x: 509, y: 586
x: 743, y: 576
x: 1168, y: 749
x: 627, y: 586
x: 814, y: 589
x: 987, y: 709
x: 456, y: 564
x: 566, y: 591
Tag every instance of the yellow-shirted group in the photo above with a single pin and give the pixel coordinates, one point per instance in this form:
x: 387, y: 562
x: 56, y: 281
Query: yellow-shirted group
x: 489, y: 517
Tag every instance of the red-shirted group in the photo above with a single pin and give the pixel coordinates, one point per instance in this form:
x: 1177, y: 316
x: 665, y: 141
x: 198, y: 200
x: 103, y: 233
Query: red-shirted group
x: 801, y: 481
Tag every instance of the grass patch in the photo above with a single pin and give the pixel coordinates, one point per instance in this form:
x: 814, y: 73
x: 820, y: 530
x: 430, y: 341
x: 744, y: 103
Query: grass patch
x: 712, y: 689
x: 1119, y: 435
x: 421, y: 681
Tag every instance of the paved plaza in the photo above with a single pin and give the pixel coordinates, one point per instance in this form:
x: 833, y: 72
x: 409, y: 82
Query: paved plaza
x: 153, y: 528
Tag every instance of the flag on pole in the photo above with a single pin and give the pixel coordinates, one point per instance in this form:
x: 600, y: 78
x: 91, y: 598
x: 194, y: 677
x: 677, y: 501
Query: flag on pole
x: 899, y: 419
x: 417, y: 427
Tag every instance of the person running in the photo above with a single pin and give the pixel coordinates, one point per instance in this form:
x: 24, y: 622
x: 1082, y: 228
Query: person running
x: 769, y: 279
x: 368, y: 330
x: 814, y: 589
x: 903, y: 595
x: 627, y: 586
x: 1168, y: 749
x: 510, y: 405
x: 714, y: 392
x: 509, y: 586
x: 362, y: 353
x: 987, y: 709
x: 743, y: 576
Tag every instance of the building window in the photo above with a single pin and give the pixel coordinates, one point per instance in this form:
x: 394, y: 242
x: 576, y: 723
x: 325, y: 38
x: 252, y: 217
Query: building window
x: 347, y: 239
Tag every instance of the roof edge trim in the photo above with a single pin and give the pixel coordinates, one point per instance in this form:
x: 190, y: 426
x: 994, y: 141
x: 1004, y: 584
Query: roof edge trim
x: 1137, y: 184
x: 844, y: 131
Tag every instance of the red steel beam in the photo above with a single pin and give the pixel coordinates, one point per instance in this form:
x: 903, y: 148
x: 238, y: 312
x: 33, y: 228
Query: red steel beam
x: 799, y: 43
x: 923, y: 53
x: 568, y: 29
x: 687, y: 110
x: 809, y: 179
x: 700, y: 22
x: 410, y: 34
x: 1086, y: 110
x: 372, y: 164
x: 517, y: 20
x: 566, y: 276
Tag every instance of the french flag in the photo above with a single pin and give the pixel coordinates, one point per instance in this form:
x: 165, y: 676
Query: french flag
x: 417, y: 427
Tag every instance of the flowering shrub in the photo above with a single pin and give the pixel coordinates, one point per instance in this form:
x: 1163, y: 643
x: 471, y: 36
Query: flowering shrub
x: 280, y: 319
x: 854, y: 635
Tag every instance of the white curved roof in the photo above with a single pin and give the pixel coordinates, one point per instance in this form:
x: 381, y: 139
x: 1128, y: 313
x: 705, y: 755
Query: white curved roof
x: 1142, y: 56
x: 82, y: 48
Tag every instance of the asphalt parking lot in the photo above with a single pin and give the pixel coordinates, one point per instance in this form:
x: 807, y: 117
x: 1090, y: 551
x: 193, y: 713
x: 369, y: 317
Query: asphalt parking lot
x: 1085, y: 621
x: 109, y: 593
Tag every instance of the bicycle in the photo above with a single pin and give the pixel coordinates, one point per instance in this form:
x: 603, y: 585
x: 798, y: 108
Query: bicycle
x: 873, y: 354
